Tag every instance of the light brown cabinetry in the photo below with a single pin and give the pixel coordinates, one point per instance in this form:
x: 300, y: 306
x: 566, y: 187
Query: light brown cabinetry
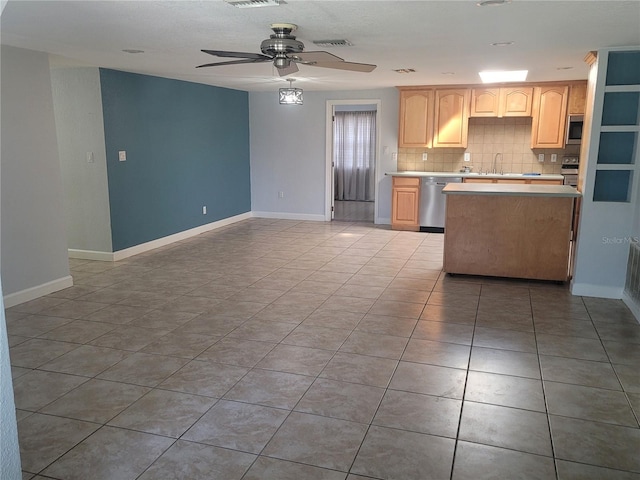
x: 501, y: 102
x: 577, y: 99
x: 416, y: 118
x: 522, y: 181
x: 405, y: 201
x: 549, y: 116
x: 451, y: 122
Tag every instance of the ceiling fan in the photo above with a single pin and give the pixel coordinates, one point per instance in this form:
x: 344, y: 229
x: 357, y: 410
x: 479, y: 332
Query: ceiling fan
x: 285, y: 51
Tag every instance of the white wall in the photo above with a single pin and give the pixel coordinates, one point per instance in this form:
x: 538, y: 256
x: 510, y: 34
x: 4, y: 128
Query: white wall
x: 77, y: 103
x: 288, y: 152
x: 33, y: 243
x: 9, y: 451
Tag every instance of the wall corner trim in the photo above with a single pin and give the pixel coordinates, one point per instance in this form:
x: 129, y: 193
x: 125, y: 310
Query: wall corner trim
x: 32, y: 293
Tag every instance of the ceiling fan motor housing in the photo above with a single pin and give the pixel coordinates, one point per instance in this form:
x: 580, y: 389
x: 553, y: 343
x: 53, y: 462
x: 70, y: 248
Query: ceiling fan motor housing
x: 281, y: 43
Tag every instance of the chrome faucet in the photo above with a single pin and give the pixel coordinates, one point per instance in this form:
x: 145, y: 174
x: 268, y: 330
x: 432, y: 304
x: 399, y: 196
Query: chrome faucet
x: 495, y: 162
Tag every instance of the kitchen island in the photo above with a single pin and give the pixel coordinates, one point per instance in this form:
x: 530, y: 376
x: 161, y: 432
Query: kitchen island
x: 509, y: 230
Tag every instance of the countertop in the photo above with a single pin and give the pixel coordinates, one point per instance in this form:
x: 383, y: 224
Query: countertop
x: 509, y: 189
x: 475, y: 175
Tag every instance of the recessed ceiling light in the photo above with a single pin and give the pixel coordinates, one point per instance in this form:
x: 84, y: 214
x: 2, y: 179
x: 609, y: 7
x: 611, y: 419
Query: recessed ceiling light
x: 405, y: 70
x: 492, y: 3
x: 498, y: 76
x: 132, y: 50
x: 501, y: 44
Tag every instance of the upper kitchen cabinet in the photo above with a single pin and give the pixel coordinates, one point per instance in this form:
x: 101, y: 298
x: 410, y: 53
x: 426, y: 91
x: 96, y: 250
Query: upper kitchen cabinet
x: 451, y: 121
x: 501, y: 102
x: 549, y: 116
x: 577, y: 98
x: 416, y: 118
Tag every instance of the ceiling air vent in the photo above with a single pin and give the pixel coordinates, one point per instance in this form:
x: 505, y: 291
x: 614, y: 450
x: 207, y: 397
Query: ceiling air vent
x: 405, y: 70
x: 333, y: 43
x: 255, y: 3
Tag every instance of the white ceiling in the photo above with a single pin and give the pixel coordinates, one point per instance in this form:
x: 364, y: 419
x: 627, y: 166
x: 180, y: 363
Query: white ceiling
x: 432, y: 37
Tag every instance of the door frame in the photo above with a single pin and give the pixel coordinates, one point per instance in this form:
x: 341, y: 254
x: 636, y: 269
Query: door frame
x: 329, y: 180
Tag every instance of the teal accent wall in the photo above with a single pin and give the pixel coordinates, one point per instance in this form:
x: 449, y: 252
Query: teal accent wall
x: 187, y: 146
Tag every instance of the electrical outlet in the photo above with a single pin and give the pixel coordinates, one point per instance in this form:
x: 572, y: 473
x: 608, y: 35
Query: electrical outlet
x: 394, y: 156
x: 541, y: 157
x: 554, y: 157
x: 280, y: 194
x: 204, y: 209
x: 90, y: 157
x: 467, y: 157
x: 122, y: 156
x: 424, y: 157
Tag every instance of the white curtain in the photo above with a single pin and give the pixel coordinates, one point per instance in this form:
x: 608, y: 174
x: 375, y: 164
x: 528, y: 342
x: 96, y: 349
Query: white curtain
x: 354, y: 155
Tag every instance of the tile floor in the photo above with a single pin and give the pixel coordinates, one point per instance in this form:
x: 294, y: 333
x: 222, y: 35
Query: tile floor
x: 353, y: 211
x: 276, y: 349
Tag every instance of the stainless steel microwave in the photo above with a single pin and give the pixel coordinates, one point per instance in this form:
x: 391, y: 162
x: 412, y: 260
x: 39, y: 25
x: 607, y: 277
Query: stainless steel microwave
x: 574, y: 129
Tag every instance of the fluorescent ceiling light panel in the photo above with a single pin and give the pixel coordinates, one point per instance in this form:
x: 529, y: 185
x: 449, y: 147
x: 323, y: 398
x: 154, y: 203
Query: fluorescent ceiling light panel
x: 500, y: 76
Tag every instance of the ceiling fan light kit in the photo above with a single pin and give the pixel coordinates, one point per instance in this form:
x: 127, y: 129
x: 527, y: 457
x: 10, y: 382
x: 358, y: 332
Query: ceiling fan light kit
x: 290, y: 95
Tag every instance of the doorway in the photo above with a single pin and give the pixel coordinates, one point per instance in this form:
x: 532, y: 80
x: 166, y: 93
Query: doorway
x: 352, y: 157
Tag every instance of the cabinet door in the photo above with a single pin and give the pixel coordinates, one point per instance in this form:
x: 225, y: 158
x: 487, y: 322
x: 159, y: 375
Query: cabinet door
x: 516, y: 101
x: 416, y: 112
x: 485, y: 102
x: 451, y: 123
x: 577, y: 99
x: 549, y: 116
x: 405, y: 203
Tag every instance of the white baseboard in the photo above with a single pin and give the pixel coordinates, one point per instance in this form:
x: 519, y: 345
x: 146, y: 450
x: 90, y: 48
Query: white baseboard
x: 176, y: 237
x: 38, y: 291
x: 289, y: 216
x: 633, y: 305
x: 600, y: 291
x: 383, y: 221
x: 90, y: 255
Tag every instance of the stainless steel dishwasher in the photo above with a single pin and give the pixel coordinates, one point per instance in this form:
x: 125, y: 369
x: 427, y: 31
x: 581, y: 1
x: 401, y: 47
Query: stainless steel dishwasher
x: 432, y: 203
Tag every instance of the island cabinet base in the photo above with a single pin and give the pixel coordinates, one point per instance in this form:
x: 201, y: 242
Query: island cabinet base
x: 508, y: 236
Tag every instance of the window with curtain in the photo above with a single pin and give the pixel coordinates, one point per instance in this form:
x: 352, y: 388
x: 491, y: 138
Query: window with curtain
x: 354, y: 155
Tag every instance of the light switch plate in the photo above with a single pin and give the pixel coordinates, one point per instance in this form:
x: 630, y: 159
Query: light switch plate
x: 541, y: 157
x: 122, y: 155
x: 424, y: 157
x: 467, y: 157
x: 554, y: 157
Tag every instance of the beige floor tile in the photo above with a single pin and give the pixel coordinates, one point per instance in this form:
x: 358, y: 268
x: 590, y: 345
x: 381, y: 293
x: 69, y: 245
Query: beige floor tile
x: 37, y: 351
x: 312, y: 440
x: 429, y: 379
x: 238, y: 426
x: 361, y: 369
x: 505, y: 390
x: 35, y: 389
x: 271, y: 389
x: 385, y: 325
x: 266, y: 468
x: 86, y: 360
x: 236, y: 351
x: 128, y: 337
x: 44, y: 438
x: 110, y: 453
x: 580, y: 471
x: 294, y: 359
x: 178, y: 344
x: 162, y: 412
x: 580, y: 372
x: 317, y: 337
x: 34, y: 325
x: 143, y: 369
x: 364, y: 343
x: 437, y: 353
x: 78, y: 331
x: 204, y: 378
x: 198, y: 462
x: 391, y: 453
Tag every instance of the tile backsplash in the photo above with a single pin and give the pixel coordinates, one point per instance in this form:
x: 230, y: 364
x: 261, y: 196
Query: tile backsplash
x: 510, y: 137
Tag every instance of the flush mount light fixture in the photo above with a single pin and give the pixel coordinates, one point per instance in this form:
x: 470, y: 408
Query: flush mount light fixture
x: 132, y: 50
x: 499, y: 76
x: 255, y: 3
x: 564, y: 68
x: 501, y: 44
x: 405, y: 70
x: 291, y: 96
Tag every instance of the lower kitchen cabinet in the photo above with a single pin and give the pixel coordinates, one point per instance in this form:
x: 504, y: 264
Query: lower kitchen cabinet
x: 521, y: 181
x: 405, y: 201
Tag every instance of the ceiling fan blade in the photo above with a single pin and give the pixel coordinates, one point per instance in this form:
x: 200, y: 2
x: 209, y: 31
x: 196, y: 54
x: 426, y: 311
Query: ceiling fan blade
x: 354, y: 67
x: 292, y: 68
x: 315, y: 57
x: 223, y: 53
x: 235, y: 62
